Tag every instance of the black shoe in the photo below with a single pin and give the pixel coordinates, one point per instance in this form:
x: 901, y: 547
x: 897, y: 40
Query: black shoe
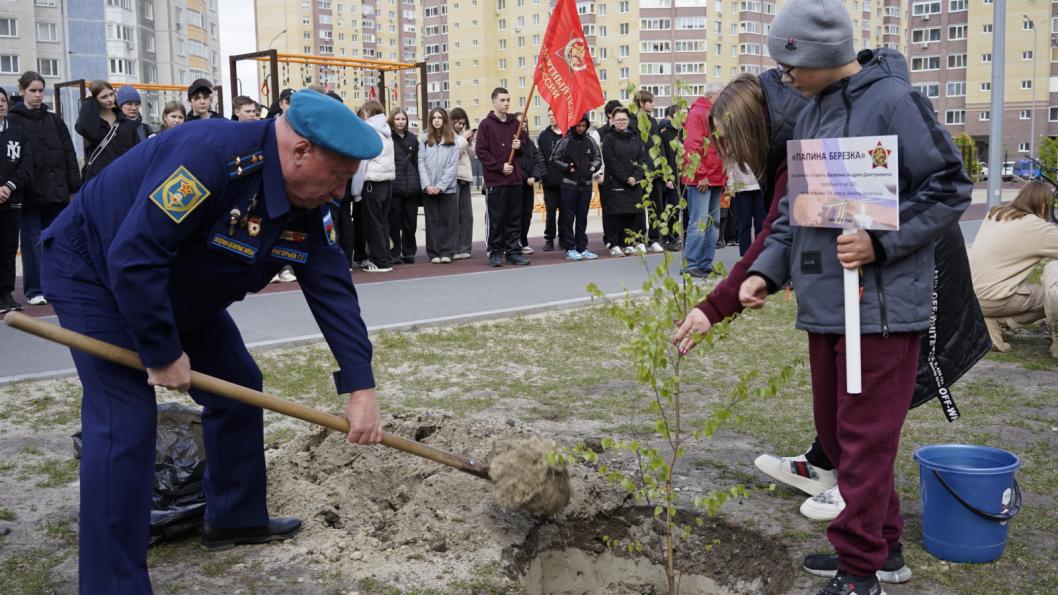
x: 672, y: 246
x: 407, y: 259
x: 495, y: 261
x: 846, y: 584
x: 893, y: 571
x: 8, y: 304
x: 517, y: 259
x: 277, y: 529
x: 700, y: 273
x: 549, y: 245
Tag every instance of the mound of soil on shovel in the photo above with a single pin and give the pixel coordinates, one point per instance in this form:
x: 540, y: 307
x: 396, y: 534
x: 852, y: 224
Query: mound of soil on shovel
x: 374, y: 512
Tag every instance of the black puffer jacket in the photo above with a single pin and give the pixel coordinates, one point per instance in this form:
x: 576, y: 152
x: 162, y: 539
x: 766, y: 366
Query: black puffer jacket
x: 957, y: 338
x: 546, y: 142
x: 623, y: 154
x: 97, y: 131
x: 576, y: 157
x: 406, y: 163
x: 55, y: 175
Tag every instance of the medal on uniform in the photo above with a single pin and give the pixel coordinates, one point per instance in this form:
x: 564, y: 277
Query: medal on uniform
x: 253, y: 226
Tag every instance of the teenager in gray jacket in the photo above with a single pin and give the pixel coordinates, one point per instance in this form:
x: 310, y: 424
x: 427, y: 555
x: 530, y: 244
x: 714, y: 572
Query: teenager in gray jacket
x: 870, y: 96
x: 439, y: 151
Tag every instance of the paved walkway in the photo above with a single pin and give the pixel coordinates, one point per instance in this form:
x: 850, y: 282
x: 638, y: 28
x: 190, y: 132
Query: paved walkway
x: 412, y: 295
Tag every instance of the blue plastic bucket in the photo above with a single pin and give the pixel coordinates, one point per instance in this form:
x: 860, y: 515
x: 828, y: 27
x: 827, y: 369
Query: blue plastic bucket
x: 968, y: 495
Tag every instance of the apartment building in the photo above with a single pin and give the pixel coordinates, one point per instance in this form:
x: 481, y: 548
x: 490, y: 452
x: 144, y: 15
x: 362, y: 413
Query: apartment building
x: 123, y: 41
x: 387, y: 30
x: 668, y: 47
x: 32, y: 37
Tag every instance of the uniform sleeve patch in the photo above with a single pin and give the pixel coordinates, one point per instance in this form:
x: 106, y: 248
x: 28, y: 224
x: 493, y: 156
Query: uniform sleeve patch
x: 179, y: 194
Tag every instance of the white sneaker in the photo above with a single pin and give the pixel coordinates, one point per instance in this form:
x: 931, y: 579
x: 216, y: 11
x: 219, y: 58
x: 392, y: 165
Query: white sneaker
x: 527, y: 250
x: 616, y: 251
x: 629, y: 250
x: 824, y: 507
x: 435, y: 260
x: 446, y: 260
x: 656, y: 247
x: 641, y: 248
x: 371, y: 267
x: 461, y: 256
x: 286, y: 276
x: 588, y: 255
x: 797, y: 472
x: 38, y: 300
x: 573, y: 255
x: 275, y: 279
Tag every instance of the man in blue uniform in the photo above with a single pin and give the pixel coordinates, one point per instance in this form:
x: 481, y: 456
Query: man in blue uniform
x: 148, y: 256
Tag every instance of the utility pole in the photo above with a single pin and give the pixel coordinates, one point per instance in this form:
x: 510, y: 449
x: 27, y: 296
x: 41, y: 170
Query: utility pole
x: 995, y: 140
x: 1032, y: 134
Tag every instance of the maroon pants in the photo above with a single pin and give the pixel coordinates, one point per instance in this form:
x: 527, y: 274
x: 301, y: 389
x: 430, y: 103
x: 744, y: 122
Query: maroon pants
x: 860, y: 435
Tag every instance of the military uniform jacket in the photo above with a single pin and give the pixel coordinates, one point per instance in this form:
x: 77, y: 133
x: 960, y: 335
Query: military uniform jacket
x: 188, y: 222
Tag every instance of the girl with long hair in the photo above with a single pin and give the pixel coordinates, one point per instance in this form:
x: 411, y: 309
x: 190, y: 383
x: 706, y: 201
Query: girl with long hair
x: 439, y: 151
x: 407, y: 192
x: 107, y: 132
x: 1012, y: 241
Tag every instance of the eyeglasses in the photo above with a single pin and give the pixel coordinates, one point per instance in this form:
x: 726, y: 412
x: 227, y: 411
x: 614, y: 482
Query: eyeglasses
x: 786, y: 71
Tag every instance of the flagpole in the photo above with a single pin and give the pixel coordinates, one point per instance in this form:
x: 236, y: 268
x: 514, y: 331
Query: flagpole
x: 525, y: 116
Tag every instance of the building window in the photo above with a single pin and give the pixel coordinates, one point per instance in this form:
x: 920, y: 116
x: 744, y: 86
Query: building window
x: 919, y: 9
x: 955, y: 89
x: 986, y: 58
x: 1026, y: 85
x: 690, y: 23
x: 984, y: 116
x: 987, y: 28
x: 48, y: 67
x: 925, y: 63
x: 1052, y: 114
x: 956, y: 5
x: 1027, y: 55
x: 1025, y: 114
x: 925, y: 35
x: 9, y: 65
x: 986, y: 87
x: 1027, y: 25
x: 47, y: 32
x: 622, y: 73
x: 956, y: 32
x: 8, y: 28
x: 1023, y: 147
x: 957, y: 61
x: 122, y: 67
x: 955, y: 116
x: 928, y: 89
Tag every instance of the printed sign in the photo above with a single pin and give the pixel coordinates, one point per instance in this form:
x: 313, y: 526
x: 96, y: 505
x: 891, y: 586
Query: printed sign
x: 844, y: 182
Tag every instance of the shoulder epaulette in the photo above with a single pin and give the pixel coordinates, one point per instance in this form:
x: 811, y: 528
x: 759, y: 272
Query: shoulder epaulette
x: 241, y: 165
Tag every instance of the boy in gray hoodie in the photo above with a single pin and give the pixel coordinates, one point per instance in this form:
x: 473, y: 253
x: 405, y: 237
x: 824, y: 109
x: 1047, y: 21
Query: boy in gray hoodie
x: 812, y: 42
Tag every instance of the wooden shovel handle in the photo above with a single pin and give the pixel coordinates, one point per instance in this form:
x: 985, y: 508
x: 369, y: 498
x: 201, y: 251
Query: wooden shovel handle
x: 125, y: 357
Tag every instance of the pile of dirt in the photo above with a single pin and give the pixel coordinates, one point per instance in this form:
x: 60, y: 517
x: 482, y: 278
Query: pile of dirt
x: 376, y: 512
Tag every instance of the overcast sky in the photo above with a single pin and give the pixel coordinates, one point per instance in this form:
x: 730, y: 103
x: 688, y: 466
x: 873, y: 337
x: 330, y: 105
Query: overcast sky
x: 237, y: 36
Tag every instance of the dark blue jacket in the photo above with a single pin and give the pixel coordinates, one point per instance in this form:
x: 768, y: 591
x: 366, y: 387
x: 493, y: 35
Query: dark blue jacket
x: 934, y: 191
x: 188, y: 222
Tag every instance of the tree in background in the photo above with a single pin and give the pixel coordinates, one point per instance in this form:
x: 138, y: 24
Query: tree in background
x: 968, y: 147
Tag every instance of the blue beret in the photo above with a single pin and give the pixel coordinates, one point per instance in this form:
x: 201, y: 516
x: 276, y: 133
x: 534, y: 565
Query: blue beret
x: 127, y: 94
x: 332, y: 125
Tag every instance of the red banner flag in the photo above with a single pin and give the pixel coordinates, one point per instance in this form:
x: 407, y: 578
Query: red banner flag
x: 565, y: 75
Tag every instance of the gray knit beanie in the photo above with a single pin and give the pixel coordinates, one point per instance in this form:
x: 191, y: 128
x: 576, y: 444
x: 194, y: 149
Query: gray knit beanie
x: 812, y: 34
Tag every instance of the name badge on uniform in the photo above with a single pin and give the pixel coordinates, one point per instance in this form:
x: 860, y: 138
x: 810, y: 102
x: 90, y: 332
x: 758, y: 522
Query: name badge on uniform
x: 328, y: 229
x: 288, y: 254
x: 243, y: 250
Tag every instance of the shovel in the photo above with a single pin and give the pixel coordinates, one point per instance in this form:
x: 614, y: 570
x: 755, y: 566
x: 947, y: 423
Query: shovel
x: 515, y: 497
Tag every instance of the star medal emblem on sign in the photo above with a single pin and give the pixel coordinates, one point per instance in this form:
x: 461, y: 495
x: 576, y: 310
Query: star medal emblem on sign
x: 253, y: 226
x: 879, y: 156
